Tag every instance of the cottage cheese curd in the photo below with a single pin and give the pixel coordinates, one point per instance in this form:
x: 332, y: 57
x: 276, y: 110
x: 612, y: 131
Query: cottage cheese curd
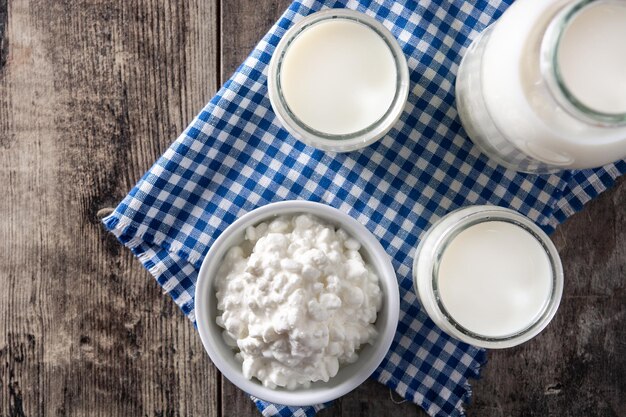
x: 297, y: 300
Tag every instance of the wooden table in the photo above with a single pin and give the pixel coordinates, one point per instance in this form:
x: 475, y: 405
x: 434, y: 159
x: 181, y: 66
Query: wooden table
x: 91, y: 93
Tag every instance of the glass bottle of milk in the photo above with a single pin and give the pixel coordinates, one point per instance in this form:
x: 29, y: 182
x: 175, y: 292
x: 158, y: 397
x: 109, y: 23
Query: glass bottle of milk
x: 544, y: 88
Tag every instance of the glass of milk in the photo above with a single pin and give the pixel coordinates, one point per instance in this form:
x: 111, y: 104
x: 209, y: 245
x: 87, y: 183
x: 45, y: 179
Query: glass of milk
x: 338, y: 80
x: 488, y: 276
x: 544, y: 88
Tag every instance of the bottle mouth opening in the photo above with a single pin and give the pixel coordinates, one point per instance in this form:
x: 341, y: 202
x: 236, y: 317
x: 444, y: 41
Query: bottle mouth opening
x: 553, y: 73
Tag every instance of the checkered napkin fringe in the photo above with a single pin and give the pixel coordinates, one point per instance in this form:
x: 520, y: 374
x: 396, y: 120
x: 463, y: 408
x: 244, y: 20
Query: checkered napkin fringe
x: 235, y: 156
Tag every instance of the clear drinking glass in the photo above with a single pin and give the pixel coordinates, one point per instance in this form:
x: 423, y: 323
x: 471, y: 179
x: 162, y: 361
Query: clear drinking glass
x: 430, y: 252
x: 333, y: 142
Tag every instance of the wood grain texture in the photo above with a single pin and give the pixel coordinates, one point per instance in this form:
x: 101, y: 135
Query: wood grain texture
x: 91, y: 93
x: 577, y: 365
x: 243, y: 23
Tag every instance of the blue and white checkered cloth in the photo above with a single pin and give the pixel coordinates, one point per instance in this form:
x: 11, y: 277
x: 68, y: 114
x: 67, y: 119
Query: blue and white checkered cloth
x: 235, y: 156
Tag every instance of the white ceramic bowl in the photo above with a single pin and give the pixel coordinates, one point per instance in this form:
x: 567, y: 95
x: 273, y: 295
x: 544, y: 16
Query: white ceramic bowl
x: 350, y: 375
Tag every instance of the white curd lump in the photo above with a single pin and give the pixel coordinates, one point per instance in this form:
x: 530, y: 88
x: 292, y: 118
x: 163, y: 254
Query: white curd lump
x: 338, y: 76
x: 296, y: 300
x: 495, y: 278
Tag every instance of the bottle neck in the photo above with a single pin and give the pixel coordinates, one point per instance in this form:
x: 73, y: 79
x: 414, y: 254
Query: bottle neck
x: 557, y: 42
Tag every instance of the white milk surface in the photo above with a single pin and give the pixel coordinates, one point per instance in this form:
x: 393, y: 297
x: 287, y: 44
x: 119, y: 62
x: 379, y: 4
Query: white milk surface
x: 519, y: 102
x: 494, y: 278
x: 592, y: 56
x: 338, y: 76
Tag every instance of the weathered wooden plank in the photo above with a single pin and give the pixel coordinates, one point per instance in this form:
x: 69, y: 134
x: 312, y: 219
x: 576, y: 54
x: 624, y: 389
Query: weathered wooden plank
x: 91, y: 92
x: 577, y: 365
x: 243, y: 23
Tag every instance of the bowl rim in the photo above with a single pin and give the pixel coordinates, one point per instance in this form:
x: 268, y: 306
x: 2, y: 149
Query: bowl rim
x: 391, y: 303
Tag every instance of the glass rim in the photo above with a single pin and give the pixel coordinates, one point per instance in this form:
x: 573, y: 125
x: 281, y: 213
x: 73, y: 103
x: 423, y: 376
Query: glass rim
x: 429, y: 252
x: 552, y: 74
x: 317, y: 138
x: 546, y: 313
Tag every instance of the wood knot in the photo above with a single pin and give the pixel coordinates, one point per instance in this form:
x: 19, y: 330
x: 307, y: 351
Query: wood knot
x: 103, y: 212
x: 553, y: 389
